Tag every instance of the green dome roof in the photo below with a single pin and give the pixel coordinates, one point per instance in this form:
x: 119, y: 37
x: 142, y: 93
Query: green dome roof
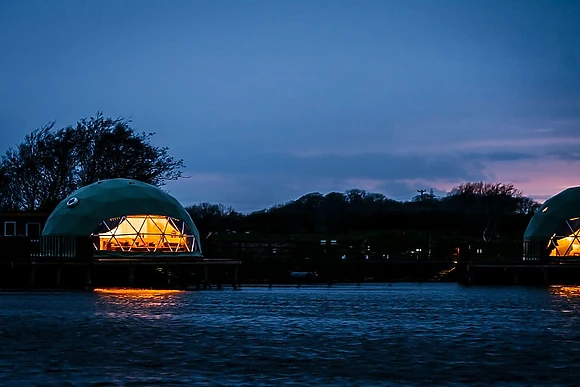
x: 552, y: 214
x: 109, y: 199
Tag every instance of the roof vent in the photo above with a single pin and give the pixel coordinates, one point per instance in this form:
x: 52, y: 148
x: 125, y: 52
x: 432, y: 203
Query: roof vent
x: 72, y: 202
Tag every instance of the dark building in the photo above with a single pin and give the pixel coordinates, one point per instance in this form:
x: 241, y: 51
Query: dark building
x: 22, y: 223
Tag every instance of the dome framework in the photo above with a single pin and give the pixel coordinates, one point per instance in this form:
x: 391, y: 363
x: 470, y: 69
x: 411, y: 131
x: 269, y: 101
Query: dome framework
x: 125, y: 216
x: 143, y: 233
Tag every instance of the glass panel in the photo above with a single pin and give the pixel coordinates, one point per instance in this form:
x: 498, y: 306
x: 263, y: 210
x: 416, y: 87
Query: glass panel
x: 9, y: 228
x: 566, y: 241
x: 143, y: 233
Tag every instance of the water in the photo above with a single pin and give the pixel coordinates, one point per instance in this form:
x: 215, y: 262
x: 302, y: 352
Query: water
x: 405, y: 334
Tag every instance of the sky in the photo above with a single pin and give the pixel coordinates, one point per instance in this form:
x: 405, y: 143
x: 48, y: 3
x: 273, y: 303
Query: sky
x: 268, y: 100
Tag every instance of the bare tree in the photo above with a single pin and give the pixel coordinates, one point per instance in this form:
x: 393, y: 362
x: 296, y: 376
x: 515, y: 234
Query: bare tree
x: 50, y: 164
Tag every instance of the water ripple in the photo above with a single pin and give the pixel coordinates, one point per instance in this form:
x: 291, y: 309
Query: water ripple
x: 401, y: 335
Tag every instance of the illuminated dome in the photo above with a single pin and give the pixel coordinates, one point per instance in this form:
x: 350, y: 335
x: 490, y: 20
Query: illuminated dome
x: 556, y: 224
x: 126, y: 216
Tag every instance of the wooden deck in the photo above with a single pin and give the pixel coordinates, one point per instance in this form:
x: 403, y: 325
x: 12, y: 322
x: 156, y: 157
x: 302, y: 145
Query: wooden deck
x: 71, y: 261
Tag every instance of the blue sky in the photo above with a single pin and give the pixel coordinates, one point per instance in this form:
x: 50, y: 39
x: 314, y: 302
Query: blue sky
x: 268, y: 100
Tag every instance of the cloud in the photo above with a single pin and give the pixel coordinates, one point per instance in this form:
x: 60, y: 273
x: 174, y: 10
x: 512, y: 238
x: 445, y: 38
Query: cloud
x: 367, y: 166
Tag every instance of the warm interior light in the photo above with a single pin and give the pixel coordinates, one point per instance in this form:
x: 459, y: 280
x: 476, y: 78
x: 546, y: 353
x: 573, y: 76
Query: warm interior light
x: 545, y: 209
x: 566, y: 243
x: 143, y: 233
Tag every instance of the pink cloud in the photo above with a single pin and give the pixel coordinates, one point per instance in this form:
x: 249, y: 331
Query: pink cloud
x: 538, y: 179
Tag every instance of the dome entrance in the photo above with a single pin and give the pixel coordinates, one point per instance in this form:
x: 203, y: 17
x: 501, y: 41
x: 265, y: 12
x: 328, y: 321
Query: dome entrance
x: 143, y: 234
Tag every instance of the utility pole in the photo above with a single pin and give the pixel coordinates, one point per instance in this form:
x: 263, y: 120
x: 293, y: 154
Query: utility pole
x: 421, y: 191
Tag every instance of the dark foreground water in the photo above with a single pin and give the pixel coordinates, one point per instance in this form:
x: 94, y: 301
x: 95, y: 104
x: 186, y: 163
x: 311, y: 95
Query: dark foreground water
x: 405, y: 334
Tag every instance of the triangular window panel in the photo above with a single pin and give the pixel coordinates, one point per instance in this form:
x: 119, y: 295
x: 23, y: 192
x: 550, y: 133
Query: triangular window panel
x: 566, y: 240
x: 144, y: 233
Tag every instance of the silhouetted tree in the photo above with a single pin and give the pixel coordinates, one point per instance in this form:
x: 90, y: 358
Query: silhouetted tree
x: 490, y: 198
x: 50, y: 164
x: 210, y: 217
x: 492, y: 201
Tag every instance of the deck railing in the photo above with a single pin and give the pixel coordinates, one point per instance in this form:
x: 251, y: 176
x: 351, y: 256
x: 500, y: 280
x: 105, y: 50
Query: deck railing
x: 45, y: 248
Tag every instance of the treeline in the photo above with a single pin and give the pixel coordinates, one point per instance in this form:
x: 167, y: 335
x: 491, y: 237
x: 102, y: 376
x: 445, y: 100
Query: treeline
x: 51, y: 163
x: 472, y: 210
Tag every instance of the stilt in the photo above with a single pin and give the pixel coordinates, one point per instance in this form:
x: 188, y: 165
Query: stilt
x: 89, y: 279
x: 31, y: 278
x: 197, y: 280
x: 219, y: 280
x: 167, y: 276
x: 131, y: 276
x: 545, y: 275
x: 58, y: 275
x: 235, y: 281
x: 205, y: 277
x: 183, y: 277
x: 470, y: 277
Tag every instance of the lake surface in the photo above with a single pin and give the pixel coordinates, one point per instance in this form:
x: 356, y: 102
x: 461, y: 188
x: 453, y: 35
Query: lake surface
x: 404, y: 334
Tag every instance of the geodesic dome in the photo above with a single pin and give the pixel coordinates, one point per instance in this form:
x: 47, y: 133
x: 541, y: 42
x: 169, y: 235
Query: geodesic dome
x: 126, y: 216
x: 556, y: 224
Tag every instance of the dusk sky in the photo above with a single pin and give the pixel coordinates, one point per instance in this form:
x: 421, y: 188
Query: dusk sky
x: 268, y: 100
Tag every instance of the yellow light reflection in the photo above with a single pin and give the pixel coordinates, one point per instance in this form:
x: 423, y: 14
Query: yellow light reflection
x: 136, y: 293
x: 566, y: 291
x: 150, y: 304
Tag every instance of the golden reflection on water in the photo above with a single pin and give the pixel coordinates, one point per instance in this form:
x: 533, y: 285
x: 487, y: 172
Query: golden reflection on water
x: 138, y: 302
x: 566, y: 291
x: 135, y: 293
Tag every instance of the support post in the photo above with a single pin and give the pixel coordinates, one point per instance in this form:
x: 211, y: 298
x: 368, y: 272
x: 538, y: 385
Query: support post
x: 167, y: 276
x: 219, y: 279
x: 545, y: 275
x: 132, y: 276
x: 31, y: 278
x: 235, y: 281
x: 205, y: 277
x: 89, y: 279
x: 58, y: 275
